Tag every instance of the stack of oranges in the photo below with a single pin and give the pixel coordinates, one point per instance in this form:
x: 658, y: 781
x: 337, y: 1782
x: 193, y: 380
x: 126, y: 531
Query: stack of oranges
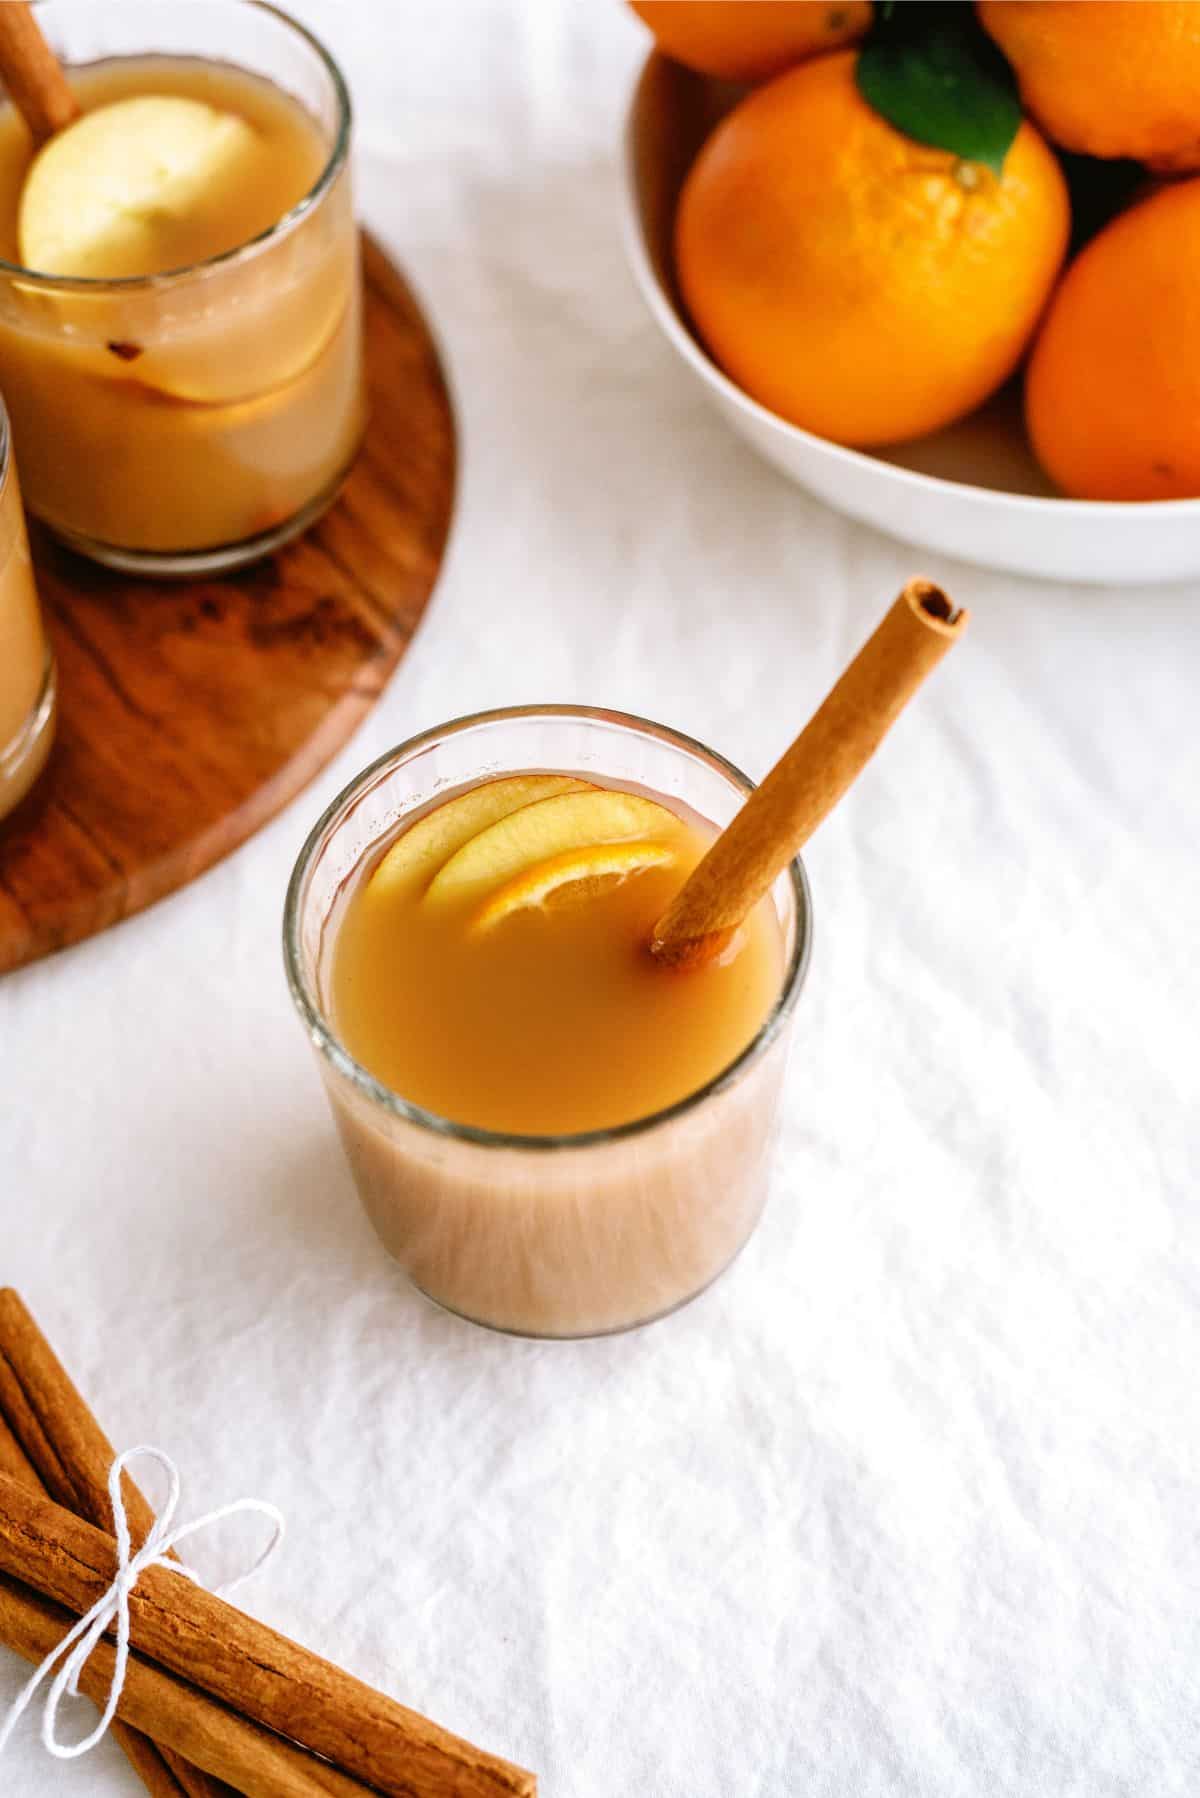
x: 872, y: 288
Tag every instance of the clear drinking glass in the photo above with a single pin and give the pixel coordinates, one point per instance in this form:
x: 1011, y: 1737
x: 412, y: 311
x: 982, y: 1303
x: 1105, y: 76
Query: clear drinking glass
x: 27, y: 685
x: 544, y: 1235
x: 192, y: 421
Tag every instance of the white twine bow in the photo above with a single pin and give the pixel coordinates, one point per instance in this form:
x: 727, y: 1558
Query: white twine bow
x: 80, y: 1641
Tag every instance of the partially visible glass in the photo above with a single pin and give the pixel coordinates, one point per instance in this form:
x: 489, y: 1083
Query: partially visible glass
x: 27, y: 684
x: 190, y: 422
x: 545, y: 1235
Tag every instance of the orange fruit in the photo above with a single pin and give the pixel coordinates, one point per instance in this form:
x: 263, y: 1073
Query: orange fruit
x: 747, y: 40
x: 1118, y: 79
x: 853, y: 281
x: 1112, y: 396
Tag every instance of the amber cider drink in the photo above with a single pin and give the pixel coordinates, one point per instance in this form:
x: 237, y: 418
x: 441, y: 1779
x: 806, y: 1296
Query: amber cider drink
x: 549, y: 1017
x: 553, y: 1134
x: 27, y: 688
x: 198, y: 394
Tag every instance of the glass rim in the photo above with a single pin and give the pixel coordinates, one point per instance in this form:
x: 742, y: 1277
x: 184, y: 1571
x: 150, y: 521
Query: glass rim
x: 323, y: 1038
x: 242, y: 252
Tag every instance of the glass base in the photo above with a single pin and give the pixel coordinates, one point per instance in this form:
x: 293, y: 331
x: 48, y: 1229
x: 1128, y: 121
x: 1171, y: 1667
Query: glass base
x: 185, y: 564
x: 593, y: 1334
x: 22, y: 760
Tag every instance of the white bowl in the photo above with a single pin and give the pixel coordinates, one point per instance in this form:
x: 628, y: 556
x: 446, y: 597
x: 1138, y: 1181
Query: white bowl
x: 973, y: 490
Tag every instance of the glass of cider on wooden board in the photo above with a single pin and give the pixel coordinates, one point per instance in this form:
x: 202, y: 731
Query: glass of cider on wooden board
x: 180, y: 305
x: 551, y: 1132
x: 27, y: 680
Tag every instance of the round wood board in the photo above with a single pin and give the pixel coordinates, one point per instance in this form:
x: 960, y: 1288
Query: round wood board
x: 191, y: 712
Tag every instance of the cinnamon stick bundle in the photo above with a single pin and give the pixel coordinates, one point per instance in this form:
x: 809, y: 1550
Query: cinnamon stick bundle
x: 162, y: 1774
x: 226, y: 1665
x: 199, y: 1731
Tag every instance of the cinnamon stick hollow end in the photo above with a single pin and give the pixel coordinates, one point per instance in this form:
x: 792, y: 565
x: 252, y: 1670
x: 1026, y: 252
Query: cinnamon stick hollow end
x: 934, y: 606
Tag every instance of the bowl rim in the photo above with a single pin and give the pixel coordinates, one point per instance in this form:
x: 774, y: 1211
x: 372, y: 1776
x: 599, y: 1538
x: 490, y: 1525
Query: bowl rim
x: 666, y: 315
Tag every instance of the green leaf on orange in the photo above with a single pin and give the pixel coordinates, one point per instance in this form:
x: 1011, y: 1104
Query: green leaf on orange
x: 931, y: 71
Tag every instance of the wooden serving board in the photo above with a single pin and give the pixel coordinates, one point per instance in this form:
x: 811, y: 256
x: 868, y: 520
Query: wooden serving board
x: 191, y: 712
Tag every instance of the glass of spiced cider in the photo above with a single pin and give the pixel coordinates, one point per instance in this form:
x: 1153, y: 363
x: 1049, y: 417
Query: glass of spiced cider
x: 27, y: 684
x: 552, y: 1133
x: 180, y: 305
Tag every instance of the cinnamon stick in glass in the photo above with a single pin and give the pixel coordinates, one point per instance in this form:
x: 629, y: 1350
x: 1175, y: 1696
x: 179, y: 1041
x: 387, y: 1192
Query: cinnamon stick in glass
x: 806, y: 783
x: 33, y: 74
x: 214, y: 1647
x: 144, y: 1757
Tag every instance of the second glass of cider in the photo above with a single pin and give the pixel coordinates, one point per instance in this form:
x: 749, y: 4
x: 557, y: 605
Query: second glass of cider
x: 196, y: 396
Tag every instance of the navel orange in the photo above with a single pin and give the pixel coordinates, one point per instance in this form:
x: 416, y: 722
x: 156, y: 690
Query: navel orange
x: 747, y: 40
x: 852, y: 280
x: 1112, y: 395
x: 1118, y: 79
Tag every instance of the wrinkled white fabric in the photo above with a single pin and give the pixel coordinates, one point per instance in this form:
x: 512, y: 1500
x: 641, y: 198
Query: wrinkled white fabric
x: 906, y: 1507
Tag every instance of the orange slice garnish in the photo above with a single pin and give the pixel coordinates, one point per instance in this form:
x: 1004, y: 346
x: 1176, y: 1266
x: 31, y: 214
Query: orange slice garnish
x: 533, y: 835
x: 573, y: 876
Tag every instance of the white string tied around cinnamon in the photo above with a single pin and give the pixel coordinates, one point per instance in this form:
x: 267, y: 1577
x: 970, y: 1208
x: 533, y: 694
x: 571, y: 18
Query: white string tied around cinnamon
x: 77, y: 1645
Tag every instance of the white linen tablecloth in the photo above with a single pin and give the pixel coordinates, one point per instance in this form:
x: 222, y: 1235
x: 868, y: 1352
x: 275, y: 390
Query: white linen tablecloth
x: 908, y: 1503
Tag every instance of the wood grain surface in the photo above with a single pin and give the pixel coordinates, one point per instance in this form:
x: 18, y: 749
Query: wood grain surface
x: 191, y: 712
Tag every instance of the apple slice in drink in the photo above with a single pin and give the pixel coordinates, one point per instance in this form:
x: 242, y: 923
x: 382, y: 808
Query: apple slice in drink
x: 549, y: 827
x: 135, y: 188
x: 425, y: 846
x: 120, y: 191
x: 247, y: 366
